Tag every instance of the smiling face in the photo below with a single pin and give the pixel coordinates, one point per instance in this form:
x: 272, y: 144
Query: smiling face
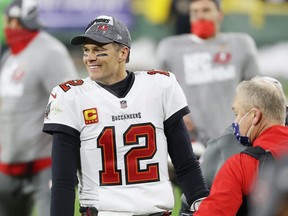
x: 105, y: 63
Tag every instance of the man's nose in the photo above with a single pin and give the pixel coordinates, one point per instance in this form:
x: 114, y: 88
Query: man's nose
x: 91, y: 56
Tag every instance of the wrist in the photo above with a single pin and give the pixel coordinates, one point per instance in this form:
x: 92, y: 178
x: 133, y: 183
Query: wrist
x: 195, y: 205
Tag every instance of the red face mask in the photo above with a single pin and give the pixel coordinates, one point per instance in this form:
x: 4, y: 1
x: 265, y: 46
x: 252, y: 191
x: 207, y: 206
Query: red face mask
x: 203, y: 28
x: 18, y: 39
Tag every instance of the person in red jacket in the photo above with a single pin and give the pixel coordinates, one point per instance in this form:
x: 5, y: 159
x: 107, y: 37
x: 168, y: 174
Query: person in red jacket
x: 259, y: 107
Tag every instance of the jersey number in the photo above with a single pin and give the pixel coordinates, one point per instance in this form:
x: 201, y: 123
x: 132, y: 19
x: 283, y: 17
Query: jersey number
x: 67, y: 85
x: 110, y: 174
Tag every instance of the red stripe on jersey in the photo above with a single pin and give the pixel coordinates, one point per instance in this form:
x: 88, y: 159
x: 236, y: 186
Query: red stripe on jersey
x: 21, y: 169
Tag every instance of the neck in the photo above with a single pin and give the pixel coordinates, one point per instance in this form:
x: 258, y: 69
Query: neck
x: 263, y: 125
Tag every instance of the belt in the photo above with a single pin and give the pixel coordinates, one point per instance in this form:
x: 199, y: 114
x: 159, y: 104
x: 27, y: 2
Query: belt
x: 95, y: 212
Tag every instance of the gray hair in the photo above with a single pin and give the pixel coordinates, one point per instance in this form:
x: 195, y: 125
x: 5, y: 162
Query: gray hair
x: 266, y: 94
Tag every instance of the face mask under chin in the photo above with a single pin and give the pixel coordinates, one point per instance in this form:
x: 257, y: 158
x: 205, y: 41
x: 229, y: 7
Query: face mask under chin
x: 244, y: 140
x: 203, y: 28
x: 18, y: 39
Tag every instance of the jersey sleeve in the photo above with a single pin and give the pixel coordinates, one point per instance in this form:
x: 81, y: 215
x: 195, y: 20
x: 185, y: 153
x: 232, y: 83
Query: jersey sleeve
x: 174, y: 101
x: 60, y: 115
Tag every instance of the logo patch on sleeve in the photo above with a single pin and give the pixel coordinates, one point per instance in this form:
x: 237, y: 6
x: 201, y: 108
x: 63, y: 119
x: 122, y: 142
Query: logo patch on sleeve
x: 90, y: 116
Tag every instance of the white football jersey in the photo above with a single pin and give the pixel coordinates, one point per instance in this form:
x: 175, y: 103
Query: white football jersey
x: 123, y: 145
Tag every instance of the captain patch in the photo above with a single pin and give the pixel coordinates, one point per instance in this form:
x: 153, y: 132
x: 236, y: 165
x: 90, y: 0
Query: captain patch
x: 90, y: 116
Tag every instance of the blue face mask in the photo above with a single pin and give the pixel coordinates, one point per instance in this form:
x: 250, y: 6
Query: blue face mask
x: 244, y: 140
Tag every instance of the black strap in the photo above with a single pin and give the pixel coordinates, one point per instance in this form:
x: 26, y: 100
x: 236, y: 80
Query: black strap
x: 255, y: 152
x: 264, y: 156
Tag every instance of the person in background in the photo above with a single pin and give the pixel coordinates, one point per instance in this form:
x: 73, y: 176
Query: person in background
x: 260, y: 109
x: 34, y: 63
x: 218, y: 150
x: 116, y: 127
x: 270, y: 196
x: 208, y: 65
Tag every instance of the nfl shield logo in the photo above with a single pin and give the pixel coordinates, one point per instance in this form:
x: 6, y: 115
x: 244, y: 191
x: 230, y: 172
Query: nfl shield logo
x: 123, y: 104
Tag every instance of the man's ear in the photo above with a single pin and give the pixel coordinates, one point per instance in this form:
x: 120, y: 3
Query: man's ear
x: 257, y: 116
x: 124, y: 54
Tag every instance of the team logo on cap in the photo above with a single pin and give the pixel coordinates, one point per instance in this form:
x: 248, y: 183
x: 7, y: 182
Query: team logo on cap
x: 102, y: 28
x: 90, y: 116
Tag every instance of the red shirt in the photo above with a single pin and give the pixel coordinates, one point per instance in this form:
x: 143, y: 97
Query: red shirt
x: 237, y: 176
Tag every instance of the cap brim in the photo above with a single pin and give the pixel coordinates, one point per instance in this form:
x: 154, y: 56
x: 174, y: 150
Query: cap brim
x: 80, y: 39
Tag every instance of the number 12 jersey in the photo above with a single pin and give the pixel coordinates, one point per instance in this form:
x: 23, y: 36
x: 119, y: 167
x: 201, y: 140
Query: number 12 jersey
x: 123, y: 151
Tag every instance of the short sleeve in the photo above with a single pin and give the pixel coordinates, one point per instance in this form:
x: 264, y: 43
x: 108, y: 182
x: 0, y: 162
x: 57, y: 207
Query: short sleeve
x: 174, y: 98
x: 61, y: 113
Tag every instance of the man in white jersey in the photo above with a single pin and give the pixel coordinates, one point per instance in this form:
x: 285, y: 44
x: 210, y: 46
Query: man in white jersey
x: 34, y: 63
x: 116, y: 128
x: 208, y: 65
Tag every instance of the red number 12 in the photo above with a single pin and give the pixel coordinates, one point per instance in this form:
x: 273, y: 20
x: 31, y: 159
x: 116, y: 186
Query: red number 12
x: 110, y: 174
